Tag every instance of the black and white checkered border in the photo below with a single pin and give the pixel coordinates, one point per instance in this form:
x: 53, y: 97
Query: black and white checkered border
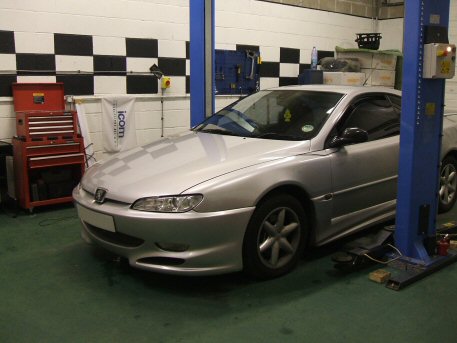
x: 76, y: 61
x: 102, y: 65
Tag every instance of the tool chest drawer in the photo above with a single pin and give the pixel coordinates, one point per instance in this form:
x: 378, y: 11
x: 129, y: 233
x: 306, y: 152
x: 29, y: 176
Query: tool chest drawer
x: 53, y: 149
x: 55, y: 160
x: 41, y: 126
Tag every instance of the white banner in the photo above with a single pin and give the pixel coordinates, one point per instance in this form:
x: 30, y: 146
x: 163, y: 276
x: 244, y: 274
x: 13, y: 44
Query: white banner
x: 88, y: 146
x: 119, y: 131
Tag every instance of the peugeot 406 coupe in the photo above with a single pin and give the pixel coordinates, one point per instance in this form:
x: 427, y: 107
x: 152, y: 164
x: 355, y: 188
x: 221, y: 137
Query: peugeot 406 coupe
x: 254, y: 185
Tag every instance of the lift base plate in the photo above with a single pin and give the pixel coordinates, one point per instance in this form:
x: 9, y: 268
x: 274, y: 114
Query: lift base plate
x: 410, y: 271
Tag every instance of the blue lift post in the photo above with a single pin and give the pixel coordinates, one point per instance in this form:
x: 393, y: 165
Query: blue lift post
x: 201, y: 60
x: 420, y: 144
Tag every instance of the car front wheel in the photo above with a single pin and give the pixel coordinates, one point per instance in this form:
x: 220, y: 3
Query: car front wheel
x: 275, y: 237
x: 448, y: 184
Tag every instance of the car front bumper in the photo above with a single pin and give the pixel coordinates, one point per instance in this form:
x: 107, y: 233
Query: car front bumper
x: 214, y: 239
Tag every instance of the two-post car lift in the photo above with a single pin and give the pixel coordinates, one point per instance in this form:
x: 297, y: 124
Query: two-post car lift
x: 425, y: 68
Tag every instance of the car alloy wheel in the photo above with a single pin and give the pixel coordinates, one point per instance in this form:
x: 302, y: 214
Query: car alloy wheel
x: 279, y: 237
x: 448, y: 184
x: 275, y: 237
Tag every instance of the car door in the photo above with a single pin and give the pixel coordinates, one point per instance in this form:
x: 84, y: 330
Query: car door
x: 365, y: 174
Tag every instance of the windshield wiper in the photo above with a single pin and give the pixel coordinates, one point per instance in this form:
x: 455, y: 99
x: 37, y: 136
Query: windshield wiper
x: 218, y: 131
x: 278, y: 136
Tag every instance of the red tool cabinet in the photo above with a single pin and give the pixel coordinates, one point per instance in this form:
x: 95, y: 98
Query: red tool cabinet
x: 49, y: 157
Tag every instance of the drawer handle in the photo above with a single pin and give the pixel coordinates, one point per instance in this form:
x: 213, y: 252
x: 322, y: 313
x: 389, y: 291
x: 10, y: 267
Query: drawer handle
x: 54, y: 157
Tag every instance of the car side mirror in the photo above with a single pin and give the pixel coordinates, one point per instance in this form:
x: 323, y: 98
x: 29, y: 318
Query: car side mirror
x: 350, y: 135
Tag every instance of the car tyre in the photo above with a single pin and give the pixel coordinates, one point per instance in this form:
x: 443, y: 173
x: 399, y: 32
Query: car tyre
x: 275, y: 237
x: 448, y: 184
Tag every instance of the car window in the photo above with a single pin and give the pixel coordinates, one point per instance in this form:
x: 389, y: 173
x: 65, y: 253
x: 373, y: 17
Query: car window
x: 374, y: 114
x: 275, y: 114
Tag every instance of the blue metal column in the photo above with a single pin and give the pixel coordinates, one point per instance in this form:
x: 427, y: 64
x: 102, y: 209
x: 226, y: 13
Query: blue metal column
x: 421, y: 130
x: 201, y: 60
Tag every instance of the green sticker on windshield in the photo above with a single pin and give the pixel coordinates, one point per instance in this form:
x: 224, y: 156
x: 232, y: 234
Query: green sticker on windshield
x: 287, y: 116
x: 307, y: 128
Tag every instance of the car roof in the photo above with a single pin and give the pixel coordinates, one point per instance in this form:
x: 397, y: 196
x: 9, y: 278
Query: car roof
x: 354, y: 90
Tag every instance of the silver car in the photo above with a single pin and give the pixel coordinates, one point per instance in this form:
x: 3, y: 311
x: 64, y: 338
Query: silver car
x: 252, y: 186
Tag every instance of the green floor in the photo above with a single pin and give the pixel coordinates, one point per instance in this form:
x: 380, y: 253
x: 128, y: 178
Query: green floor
x: 55, y: 288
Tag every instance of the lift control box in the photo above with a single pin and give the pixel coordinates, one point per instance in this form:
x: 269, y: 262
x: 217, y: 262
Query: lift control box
x: 439, y: 61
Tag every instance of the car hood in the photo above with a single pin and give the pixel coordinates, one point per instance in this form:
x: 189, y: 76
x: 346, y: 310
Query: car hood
x: 171, y: 166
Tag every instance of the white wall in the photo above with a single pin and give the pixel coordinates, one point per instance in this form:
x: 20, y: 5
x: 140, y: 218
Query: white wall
x: 160, y: 19
x: 250, y: 22
x: 267, y: 25
x: 109, y: 22
x: 275, y: 25
x: 392, y: 34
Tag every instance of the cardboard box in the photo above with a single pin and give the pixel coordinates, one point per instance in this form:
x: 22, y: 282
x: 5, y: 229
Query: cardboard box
x: 377, y: 77
x: 384, y: 61
x: 343, y: 78
x: 371, y: 60
x: 365, y: 58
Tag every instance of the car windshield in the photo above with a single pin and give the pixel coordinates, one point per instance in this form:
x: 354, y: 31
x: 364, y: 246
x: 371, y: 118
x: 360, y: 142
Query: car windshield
x: 274, y: 114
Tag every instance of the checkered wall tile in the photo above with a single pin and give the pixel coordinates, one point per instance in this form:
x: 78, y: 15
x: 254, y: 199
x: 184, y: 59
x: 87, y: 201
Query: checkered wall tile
x: 7, y: 61
x: 281, y: 66
x: 187, y: 67
x: 88, y: 64
x: 110, y: 65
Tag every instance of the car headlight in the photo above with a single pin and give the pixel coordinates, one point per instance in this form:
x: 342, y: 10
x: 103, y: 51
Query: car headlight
x: 168, y: 204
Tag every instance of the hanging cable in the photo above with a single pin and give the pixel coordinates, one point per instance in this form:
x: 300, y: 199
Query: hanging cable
x: 386, y: 262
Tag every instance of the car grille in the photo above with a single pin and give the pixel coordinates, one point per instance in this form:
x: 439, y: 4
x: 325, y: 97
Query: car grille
x: 115, y: 237
x: 162, y: 261
x: 107, y: 199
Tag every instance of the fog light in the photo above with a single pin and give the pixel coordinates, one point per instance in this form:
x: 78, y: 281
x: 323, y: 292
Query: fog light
x: 175, y: 247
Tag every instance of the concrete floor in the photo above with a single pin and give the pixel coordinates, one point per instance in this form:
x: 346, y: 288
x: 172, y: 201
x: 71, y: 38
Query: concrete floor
x: 55, y: 288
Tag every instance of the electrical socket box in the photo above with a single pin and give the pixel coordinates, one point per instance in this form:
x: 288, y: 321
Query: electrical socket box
x: 439, y: 61
x: 166, y: 82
